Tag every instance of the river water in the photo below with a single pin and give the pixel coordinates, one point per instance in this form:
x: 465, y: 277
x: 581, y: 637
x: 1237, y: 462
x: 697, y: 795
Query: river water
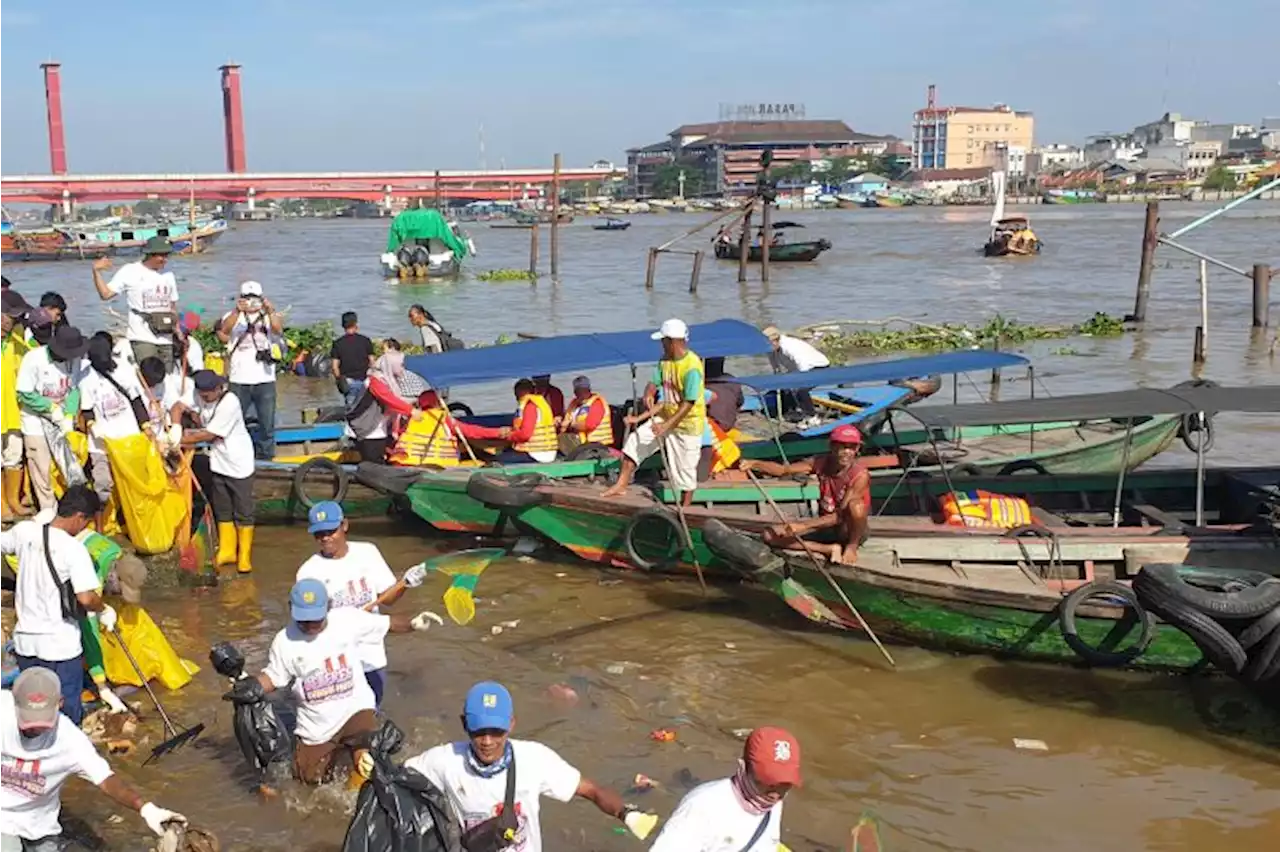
x: 1132, y: 761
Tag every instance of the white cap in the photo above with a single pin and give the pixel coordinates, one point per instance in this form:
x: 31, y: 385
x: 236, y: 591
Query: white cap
x: 251, y: 288
x: 673, y: 329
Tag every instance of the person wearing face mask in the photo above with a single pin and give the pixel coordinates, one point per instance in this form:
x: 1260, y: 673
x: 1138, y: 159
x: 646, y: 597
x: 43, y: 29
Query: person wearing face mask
x: 319, y: 655
x: 111, y: 401
x: 495, y: 783
x: 742, y: 813
x: 48, y: 388
x: 251, y: 333
x: 42, y: 749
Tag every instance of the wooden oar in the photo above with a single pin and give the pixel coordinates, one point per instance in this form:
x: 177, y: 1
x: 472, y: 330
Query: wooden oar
x: 822, y: 569
x: 684, y: 522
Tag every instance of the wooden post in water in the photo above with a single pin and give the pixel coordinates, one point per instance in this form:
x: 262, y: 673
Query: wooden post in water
x: 650, y: 269
x: 435, y: 183
x: 533, y: 250
x: 1261, y: 295
x: 555, y: 216
x: 766, y: 233
x: 697, y: 270
x: 1150, y: 238
x: 744, y: 242
x: 1202, y: 331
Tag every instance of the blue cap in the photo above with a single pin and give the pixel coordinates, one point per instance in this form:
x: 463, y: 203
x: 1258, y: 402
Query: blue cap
x: 488, y: 707
x: 308, y: 601
x: 324, y: 517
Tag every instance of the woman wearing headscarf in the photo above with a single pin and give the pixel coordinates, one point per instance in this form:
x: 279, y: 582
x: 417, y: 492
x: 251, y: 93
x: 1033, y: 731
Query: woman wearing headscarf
x: 377, y: 411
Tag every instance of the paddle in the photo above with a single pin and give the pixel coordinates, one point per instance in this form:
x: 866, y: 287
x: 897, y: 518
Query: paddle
x: 822, y: 569
x: 684, y: 522
x: 464, y: 566
x: 176, y: 739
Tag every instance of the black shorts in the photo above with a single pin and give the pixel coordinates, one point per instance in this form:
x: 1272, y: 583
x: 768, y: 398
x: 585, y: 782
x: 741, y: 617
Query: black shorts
x: 232, y: 500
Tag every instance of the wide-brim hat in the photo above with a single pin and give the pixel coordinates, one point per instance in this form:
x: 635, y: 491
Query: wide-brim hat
x: 67, y: 343
x: 157, y: 245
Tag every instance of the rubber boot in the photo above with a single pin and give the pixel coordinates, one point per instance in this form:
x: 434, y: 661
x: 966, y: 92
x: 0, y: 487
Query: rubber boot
x: 13, y: 493
x: 226, y: 544
x: 245, y: 537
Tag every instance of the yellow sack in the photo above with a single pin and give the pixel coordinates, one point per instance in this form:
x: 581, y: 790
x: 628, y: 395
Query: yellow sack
x: 154, y: 504
x: 154, y: 654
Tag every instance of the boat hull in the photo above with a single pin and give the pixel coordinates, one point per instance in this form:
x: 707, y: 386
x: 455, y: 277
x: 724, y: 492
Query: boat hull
x: 785, y: 253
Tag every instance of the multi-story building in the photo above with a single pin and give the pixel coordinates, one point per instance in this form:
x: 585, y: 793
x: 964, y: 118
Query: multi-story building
x: 1054, y: 157
x: 1111, y: 147
x: 958, y: 137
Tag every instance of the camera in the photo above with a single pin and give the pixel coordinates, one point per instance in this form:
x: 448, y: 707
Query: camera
x: 252, y: 303
x: 265, y: 356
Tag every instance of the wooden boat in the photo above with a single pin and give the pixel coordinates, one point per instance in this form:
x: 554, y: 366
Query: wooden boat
x: 1071, y: 196
x: 1011, y: 236
x: 131, y: 237
x: 22, y: 247
x: 780, y: 253
x: 611, y: 224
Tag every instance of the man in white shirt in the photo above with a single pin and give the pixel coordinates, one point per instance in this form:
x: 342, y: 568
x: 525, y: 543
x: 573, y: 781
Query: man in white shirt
x: 319, y: 654
x: 473, y: 774
x: 742, y: 813
x: 56, y: 577
x: 152, y: 295
x: 248, y: 333
x: 42, y: 748
x: 221, y: 426
x: 793, y: 355
x: 48, y: 387
x: 355, y: 575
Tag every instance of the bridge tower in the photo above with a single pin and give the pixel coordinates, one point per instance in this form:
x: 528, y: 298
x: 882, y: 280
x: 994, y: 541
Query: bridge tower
x: 53, y: 105
x: 233, y: 117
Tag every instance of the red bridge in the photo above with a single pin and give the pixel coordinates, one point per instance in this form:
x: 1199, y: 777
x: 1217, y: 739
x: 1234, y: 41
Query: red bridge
x: 236, y: 185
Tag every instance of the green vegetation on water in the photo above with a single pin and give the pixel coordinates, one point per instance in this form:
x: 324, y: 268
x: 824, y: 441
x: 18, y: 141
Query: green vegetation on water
x: 505, y: 275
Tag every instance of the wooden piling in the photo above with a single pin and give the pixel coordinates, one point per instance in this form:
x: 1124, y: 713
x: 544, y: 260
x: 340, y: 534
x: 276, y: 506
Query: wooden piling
x: 766, y: 234
x: 650, y: 269
x: 435, y: 183
x: 744, y: 243
x: 555, y: 216
x: 1150, y: 239
x: 1202, y: 333
x: 1261, y: 295
x: 697, y: 270
x: 533, y: 250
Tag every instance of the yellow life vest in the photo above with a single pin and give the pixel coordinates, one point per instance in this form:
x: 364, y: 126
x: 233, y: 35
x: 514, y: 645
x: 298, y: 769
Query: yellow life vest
x: 427, y: 439
x: 984, y: 509
x: 602, y: 434
x: 672, y: 375
x: 544, y: 439
x: 726, y: 449
x: 15, y: 346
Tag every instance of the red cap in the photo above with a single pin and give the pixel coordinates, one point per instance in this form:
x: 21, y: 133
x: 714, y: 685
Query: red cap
x: 773, y: 756
x: 846, y: 434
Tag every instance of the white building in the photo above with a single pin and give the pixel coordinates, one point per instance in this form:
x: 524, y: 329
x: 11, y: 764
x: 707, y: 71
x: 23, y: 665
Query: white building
x: 1111, y: 147
x: 1193, y: 158
x: 1055, y: 157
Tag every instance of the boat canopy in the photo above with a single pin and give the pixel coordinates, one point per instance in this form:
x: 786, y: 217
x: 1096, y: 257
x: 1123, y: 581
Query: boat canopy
x: 1141, y: 402
x: 966, y: 361
x: 424, y: 224
x: 576, y: 352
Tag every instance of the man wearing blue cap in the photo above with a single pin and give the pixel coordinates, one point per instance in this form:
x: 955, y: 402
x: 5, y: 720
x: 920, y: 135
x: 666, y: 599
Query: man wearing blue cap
x: 319, y: 653
x: 494, y: 783
x: 355, y: 575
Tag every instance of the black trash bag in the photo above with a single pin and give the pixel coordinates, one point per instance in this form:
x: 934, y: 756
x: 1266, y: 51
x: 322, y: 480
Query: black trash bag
x: 398, y: 809
x: 264, y: 739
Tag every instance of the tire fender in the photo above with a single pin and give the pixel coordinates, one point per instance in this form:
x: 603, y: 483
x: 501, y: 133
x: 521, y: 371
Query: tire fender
x: 340, y: 480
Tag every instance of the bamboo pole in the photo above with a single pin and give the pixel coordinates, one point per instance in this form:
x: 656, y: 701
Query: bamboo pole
x: 1202, y: 333
x: 744, y: 243
x: 1150, y: 239
x: 697, y: 270
x: 555, y: 216
x: 651, y: 268
x: 533, y: 251
x: 766, y: 235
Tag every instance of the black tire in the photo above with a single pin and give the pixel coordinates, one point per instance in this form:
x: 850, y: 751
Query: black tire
x: 967, y: 469
x: 663, y: 518
x: 340, y: 481
x: 386, y: 478
x: 505, y: 492
x: 1191, y: 422
x: 1263, y: 660
x: 1249, y: 603
x: 1097, y: 656
x: 461, y: 408
x: 744, y: 553
x: 1260, y: 629
x: 1032, y: 530
x: 1213, y: 640
x: 594, y: 451
x: 1021, y: 466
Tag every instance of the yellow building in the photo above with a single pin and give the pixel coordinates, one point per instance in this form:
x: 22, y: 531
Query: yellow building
x: 960, y: 137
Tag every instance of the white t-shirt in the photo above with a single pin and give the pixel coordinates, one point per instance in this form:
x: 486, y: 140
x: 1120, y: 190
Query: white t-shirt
x: 353, y: 581
x: 41, y: 631
x: 112, y: 411
x: 53, y: 380
x: 796, y: 356
x: 430, y: 337
x: 328, y: 680
x: 148, y: 291
x: 31, y: 781
x: 243, y: 366
x: 231, y: 452
x: 195, y: 355
x: 539, y: 772
x: 710, y: 819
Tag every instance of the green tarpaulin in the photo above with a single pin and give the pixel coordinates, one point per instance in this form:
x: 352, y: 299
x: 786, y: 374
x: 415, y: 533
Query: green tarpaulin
x: 424, y: 225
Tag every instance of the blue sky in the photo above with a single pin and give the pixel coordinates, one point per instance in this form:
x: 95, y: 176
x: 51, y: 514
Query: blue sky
x: 394, y: 84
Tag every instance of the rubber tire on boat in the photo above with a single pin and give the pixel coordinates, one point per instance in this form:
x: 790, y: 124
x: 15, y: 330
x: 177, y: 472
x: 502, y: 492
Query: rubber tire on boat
x: 1249, y: 603
x: 1264, y: 661
x: 968, y: 469
x: 389, y: 479
x: 744, y: 553
x: 1095, y: 656
x: 340, y: 481
x: 506, y: 492
x: 663, y: 515
x: 461, y: 408
x: 1214, y: 641
x: 1260, y: 629
x: 1023, y: 465
x: 1191, y: 422
x: 594, y: 451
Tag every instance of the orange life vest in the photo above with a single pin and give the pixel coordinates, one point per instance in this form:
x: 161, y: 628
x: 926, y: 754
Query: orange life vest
x: 725, y: 448
x: 544, y: 438
x: 603, y: 433
x: 426, y: 439
x: 984, y: 509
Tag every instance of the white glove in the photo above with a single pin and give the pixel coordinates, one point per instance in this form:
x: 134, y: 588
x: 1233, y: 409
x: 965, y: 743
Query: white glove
x: 414, y: 576
x: 112, y: 700
x: 639, y: 823
x: 155, y: 817
x: 107, y: 618
x: 65, y: 424
x: 422, y: 621
x: 173, y: 435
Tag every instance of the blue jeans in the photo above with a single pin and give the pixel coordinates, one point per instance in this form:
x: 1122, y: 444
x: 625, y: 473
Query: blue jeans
x: 355, y: 390
x: 262, y: 398
x: 377, y: 679
x: 70, y: 675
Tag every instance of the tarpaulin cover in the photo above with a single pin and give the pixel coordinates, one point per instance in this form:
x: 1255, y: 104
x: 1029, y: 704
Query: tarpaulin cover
x: 579, y: 352
x: 154, y: 505
x: 424, y: 224
x: 885, y: 371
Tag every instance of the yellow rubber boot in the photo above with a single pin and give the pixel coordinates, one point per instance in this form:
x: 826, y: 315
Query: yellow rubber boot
x: 12, y: 493
x: 226, y: 544
x: 244, y: 536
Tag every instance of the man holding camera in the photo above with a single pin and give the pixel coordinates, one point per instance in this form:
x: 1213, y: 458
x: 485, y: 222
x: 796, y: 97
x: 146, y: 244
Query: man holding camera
x: 251, y: 333
x: 152, y: 295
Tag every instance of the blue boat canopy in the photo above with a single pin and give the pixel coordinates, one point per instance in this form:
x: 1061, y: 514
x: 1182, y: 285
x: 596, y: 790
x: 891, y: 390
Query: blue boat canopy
x: 577, y: 352
x: 885, y: 371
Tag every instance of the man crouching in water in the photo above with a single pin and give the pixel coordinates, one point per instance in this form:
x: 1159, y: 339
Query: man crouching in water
x: 844, y: 497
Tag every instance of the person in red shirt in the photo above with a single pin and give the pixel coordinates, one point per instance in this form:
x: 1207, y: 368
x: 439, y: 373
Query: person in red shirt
x: 586, y: 420
x: 555, y: 398
x: 844, y: 497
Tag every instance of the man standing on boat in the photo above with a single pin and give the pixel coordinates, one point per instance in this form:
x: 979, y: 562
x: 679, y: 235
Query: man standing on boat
x: 793, y: 355
x: 152, y: 295
x: 844, y: 497
x: 352, y: 355
x: 248, y: 333
x: 673, y: 424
